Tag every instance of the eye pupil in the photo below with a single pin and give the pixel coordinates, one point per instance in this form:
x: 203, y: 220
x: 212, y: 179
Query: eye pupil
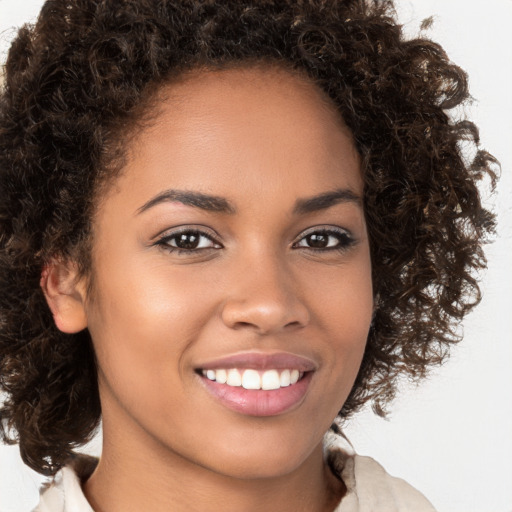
x: 318, y: 240
x: 187, y: 241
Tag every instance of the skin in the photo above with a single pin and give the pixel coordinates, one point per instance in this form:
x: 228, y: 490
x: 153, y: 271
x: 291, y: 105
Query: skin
x: 262, y: 139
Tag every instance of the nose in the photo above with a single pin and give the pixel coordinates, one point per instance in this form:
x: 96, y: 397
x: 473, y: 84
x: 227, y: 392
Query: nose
x: 264, y: 298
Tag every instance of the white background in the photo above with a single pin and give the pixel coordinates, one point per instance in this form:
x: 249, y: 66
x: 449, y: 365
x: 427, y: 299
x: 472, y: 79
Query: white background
x: 452, y: 436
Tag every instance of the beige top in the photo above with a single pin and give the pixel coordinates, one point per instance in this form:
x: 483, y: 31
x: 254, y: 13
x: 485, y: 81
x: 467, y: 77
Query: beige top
x: 369, y: 487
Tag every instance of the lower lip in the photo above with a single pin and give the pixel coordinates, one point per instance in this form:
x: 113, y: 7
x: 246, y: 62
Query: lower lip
x: 259, y: 402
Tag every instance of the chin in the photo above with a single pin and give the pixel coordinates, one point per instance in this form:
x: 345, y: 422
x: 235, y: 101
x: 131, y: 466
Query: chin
x: 259, y: 460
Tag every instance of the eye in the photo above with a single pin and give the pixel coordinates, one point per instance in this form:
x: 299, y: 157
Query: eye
x: 188, y: 240
x: 326, y: 239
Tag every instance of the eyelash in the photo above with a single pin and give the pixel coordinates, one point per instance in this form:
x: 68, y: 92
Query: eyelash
x: 165, y: 240
x: 344, y: 238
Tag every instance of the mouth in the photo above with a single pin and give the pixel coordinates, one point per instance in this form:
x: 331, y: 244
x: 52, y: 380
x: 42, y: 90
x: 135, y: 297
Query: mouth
x: 254, y: 379
x: 258, y: 384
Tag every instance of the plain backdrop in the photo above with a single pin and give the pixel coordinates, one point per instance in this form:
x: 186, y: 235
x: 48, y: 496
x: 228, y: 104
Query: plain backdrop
x: 451, y: 437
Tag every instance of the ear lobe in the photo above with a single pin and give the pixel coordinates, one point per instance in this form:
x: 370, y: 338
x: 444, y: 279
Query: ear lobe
x: 65, y: 295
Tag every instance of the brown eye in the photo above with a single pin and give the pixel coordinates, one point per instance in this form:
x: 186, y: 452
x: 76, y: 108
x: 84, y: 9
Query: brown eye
x: 318, y: 241
x: 326, y: 239
x: 188, y: 241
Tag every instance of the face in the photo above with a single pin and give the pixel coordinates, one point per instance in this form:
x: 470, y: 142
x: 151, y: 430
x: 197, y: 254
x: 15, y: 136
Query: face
x: 232, y: 284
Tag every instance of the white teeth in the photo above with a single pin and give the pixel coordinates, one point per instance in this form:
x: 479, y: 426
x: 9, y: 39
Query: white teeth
x: 251, y: 380
x: 270, y: 380
x: 234, y: 378
x: 254, y: 379
x: 221, y: 376
x: 284, y: 380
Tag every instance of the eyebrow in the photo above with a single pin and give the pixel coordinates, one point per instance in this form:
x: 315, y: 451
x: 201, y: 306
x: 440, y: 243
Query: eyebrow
x: 189, y: 198
x: 325, y: 200
x: 222, y: 205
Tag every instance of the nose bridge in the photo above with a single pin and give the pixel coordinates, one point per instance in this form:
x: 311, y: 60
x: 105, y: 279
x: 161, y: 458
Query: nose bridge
x: 264, y: 296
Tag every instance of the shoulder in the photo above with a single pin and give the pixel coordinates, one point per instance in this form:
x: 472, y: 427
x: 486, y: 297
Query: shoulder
x: 64, y: 493
x: 375, y: 489
x: 369, y: 486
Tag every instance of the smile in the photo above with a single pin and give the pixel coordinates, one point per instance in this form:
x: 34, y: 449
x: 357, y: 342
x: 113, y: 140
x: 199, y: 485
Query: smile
x: 256, y: 383
x: 253, y: 379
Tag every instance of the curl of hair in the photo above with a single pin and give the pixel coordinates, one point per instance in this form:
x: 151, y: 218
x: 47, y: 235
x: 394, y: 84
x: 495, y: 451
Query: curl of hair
x: 85, y: 70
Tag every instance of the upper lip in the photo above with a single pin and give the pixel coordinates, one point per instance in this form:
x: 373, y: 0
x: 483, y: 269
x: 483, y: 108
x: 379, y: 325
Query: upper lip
x: 261, y: 361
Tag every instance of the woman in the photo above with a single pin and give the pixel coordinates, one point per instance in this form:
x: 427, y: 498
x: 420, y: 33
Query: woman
x: 225, y: 223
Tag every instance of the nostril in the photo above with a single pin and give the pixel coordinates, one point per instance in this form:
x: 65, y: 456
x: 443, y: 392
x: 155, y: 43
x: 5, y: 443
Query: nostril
x: 295, y: 323
x: 242, y: 325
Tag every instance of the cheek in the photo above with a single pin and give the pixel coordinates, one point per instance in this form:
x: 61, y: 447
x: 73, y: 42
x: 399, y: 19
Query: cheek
x: 343, y: 298
x: 343, y: 312
x: 142, y: 321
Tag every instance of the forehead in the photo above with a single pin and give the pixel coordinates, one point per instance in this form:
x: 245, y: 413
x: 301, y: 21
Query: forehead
x: 249, y: 85
x: 244, y: 129
x: 247, y: 96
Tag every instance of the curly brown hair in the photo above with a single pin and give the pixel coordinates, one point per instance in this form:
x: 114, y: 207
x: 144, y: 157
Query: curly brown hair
x: 84, y: 72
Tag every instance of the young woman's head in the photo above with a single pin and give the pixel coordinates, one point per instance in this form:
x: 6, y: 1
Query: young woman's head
x: 196, y: 187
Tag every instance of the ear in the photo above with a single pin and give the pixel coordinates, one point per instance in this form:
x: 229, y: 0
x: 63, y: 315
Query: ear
x: 65, y: 294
